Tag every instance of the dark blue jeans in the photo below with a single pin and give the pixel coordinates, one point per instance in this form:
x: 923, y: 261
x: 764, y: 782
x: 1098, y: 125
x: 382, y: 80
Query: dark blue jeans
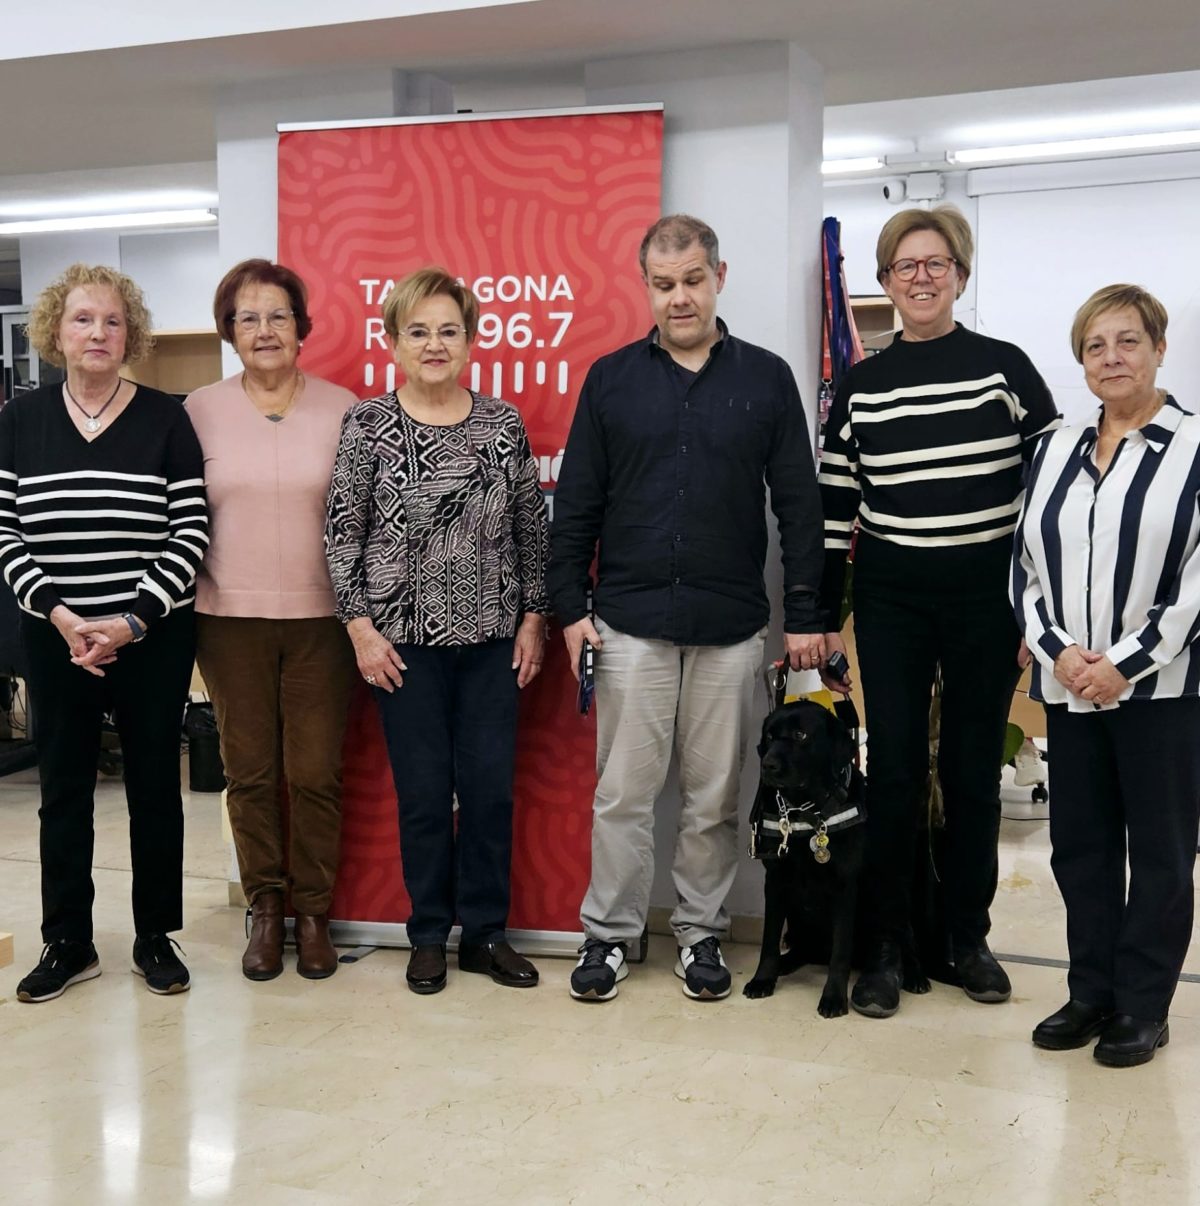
x: 450, y: 730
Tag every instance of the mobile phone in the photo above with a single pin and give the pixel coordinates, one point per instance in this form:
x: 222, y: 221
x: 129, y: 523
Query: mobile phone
x: 837, y: 666
x: 587, y: 677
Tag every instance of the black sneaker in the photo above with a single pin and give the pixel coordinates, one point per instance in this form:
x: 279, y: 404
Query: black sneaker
x: 600, y: 969
x: 154, y: 959
x: 702, y: 969
x: 62, y: 964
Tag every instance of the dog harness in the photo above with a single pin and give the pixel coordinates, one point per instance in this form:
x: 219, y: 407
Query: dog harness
x: 770, y: 835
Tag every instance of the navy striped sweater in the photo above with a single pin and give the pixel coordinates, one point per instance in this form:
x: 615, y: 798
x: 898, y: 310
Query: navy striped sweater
x: 116, y: 525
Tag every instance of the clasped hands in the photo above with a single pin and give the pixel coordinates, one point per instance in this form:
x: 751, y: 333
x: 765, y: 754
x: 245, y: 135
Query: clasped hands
x: 1089, y: 675
x: 92, y: 643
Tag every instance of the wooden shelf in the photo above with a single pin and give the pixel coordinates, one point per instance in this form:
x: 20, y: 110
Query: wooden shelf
x: 182, y: 360
x: 876, y: 320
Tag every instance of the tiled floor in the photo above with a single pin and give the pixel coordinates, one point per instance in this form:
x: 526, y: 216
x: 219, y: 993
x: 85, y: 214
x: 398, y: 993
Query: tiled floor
x: 354, y: 1090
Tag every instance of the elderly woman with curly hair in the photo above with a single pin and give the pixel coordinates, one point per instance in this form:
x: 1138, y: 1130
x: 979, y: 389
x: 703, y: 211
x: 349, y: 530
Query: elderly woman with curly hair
x: 103, y: 523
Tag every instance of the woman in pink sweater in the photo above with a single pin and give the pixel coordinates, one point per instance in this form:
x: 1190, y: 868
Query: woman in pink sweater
x: 275, y: 660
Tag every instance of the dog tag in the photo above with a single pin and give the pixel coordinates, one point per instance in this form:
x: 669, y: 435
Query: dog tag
x: 819, y: 845
x: 822, y: 855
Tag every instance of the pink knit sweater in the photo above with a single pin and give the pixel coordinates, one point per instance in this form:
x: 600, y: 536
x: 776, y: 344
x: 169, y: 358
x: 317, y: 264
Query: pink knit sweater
x: 267, y: 483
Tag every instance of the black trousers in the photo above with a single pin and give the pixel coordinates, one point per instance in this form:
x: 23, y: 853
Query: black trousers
x: 911, y: 613
x: 451, y: 730
x: 146, y: 689
x: 1126, y: 782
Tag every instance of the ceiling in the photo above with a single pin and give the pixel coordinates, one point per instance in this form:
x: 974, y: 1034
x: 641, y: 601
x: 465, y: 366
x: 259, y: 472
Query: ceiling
x: 155, y: 104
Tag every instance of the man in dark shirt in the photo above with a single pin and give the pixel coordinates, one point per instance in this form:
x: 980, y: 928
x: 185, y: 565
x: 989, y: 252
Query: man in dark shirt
x: 672, y: 441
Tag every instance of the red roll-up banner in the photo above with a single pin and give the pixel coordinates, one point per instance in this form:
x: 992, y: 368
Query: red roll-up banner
x: 542, y: 215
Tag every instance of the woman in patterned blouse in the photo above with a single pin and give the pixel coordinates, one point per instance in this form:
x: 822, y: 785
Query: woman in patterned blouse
x: 436, y: 543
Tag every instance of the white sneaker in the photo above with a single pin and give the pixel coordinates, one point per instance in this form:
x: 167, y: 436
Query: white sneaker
x: 702, y: 969
x: 600, y: 969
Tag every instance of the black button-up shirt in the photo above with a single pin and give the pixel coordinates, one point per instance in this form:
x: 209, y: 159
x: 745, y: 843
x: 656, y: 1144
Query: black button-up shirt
x: 668, y: 472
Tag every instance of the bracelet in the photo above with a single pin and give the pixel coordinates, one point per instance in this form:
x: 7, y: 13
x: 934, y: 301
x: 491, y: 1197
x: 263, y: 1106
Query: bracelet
x: 135, y: 626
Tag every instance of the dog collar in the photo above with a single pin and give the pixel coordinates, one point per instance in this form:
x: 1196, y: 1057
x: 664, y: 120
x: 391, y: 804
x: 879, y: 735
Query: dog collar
x: 794, y: 818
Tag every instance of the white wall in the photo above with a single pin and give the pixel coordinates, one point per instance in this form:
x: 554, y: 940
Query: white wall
x: 178, y: 272
x: 1043, y: 253
x: 44, y: 256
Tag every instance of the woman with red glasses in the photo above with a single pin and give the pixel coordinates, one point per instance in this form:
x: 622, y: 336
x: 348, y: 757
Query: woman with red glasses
x: 925, y: 451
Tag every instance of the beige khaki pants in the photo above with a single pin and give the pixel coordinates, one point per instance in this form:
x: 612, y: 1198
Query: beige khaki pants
x: 652, y: 696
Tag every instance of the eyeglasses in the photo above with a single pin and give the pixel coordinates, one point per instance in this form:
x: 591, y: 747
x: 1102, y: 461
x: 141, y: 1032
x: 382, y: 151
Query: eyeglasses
x: 936, y: 265
x: 448, y: 333
x: 249, y: 322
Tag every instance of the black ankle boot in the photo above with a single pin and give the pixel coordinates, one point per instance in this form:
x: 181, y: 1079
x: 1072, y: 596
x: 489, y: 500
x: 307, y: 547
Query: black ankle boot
x: 877, y: 992
x: 982, y: 977
x: 1127, y: 1041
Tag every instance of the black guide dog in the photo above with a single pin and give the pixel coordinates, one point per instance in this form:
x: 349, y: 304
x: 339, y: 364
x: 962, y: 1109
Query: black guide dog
x: 808, y: 827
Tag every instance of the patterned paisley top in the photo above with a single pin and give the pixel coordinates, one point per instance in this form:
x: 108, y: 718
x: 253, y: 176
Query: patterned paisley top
x: 438, y: 534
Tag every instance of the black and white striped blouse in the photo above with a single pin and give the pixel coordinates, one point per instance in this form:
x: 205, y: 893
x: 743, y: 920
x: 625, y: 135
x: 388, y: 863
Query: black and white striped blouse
x: 116, y: 525
x: 1109, y: 563
x: 926, y: 444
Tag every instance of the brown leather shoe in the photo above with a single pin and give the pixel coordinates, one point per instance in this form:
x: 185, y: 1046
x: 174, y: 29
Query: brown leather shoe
x: 263, y: 959
x: 315, y: 957
x: 426, y: 969
x: 500, y: 961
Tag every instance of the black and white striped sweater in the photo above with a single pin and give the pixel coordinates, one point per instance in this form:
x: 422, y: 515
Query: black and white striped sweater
x: 112, y: 526
x: 926, y: 446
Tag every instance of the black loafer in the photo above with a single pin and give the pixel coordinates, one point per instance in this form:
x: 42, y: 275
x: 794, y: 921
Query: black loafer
x: 426, y: 972
x: 877, y: 991
x: 500, y: 961
x: 1074, y: 1025
x: 983, y: 979
x: 1128, y: 1041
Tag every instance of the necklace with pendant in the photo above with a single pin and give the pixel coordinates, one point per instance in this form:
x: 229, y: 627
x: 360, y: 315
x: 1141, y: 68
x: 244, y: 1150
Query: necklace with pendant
x: 279, y: 415
x: 93, y: 420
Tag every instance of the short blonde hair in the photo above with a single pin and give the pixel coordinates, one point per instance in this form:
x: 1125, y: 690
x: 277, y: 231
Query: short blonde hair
x: 1116, y: 297
x: 46, y: 316
x: 945, y: 220
x: 409, y: 292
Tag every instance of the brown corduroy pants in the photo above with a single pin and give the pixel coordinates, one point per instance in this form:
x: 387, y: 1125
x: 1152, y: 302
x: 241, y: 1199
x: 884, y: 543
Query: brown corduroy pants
x: 280, y: 690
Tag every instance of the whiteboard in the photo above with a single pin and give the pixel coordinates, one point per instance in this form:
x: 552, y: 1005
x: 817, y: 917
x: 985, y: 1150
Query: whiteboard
x: 1040, y: 255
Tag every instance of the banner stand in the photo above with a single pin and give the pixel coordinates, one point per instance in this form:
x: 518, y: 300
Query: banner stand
x: 558, y: 943
x: 541, y: 214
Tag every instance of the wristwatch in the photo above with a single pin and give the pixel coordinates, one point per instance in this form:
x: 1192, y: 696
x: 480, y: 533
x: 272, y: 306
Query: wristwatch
x: 135, y: 626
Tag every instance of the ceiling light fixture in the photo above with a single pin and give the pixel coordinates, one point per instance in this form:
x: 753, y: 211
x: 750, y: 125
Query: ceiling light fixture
x: 153, y: 218
x: 839, y: 167
x: 17, y: 208
x: 1096, y: 147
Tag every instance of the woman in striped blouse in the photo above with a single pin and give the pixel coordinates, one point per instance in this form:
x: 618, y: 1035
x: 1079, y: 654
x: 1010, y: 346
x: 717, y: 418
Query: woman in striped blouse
x: 925, y: 450
x: 1106, y: 583
x: 102, y: 527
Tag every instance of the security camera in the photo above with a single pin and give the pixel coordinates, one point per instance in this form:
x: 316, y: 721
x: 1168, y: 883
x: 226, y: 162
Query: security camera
x: 895, y: 191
